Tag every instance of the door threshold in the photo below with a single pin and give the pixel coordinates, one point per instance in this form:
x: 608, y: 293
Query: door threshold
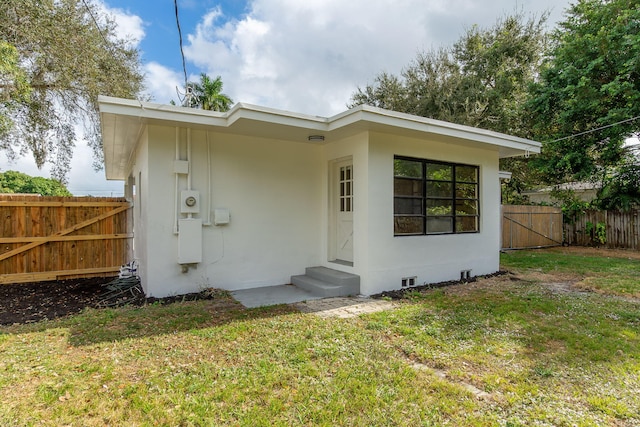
x: 342, y: 262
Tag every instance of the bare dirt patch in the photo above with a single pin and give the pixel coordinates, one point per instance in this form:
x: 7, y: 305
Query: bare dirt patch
x: 34, y: 302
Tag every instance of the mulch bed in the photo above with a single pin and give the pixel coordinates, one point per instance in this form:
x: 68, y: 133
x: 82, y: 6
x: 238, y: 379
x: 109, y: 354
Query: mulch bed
x: 34, y: 302
x: 401, y: 293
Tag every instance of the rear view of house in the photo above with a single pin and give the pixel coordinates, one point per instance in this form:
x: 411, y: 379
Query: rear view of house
x: 251, y: 197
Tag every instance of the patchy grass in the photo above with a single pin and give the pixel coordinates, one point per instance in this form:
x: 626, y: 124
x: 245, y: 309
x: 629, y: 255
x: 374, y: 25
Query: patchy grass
x: 509, y: 351
x: 611, y: 272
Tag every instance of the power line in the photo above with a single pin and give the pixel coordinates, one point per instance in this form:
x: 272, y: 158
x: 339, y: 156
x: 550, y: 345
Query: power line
x: 597, y: 129
x: 184, y: 65
x: 95, y: 21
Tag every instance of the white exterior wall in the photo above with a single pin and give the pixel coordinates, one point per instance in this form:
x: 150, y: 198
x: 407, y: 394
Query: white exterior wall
x: 140, y: 177
x: 431, y: 258
x: 356, y: 148
x: 273, y: 190
x: 278, y: 194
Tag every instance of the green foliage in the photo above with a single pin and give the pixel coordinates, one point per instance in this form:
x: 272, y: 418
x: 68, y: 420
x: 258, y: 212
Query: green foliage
x: 64, y: 61
x: 590, y: 80
x: 597, y: 232
x: 572, y: 205
x: 622, y: 189
x: 14, y: 87
x: 207, y: 94
x: 18, y: 182
x: 482, y: 80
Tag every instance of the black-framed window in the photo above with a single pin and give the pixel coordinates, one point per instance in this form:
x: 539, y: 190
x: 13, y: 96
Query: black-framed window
x: 432, y: 197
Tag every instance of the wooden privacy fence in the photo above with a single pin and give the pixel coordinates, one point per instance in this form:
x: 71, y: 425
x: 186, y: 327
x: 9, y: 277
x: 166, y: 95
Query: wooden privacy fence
x: 48, y: 238
x: 531, y: 226
x: 622, y: 229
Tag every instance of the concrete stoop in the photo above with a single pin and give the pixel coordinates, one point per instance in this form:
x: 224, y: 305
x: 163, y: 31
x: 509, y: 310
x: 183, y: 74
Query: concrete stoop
x: 326, y: 282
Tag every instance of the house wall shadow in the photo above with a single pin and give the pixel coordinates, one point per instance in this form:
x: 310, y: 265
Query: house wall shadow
x: 95, y: 326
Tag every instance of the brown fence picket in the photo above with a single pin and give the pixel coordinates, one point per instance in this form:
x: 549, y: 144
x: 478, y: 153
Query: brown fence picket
x: 525, y: 226
x: 622, y: 229
x: 46, y: 238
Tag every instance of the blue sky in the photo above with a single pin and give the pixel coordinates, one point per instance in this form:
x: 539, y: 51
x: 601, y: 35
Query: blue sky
x: 161, y: 42
x: 305, y: 56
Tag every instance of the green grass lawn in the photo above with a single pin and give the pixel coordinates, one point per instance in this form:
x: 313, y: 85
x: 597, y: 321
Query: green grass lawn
x: 506, y: 351
x: 605, y: 271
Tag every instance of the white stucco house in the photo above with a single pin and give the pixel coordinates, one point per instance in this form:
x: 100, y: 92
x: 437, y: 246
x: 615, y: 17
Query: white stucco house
x: 255, y: 196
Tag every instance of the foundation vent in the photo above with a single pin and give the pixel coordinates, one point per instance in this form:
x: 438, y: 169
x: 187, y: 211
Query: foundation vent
x: 465, y: 275
x: 408, y: 282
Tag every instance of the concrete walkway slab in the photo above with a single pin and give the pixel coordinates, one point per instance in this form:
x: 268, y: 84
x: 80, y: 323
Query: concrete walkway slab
x: 344, y: 307
x: 307, y: 302
x: 272, y: 295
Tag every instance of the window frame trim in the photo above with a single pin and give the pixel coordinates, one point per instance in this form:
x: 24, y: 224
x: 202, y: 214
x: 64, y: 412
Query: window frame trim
x: 424, y: 198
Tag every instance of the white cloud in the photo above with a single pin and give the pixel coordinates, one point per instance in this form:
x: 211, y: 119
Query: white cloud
x: 129, y: 26
x: 311, y: 56
x: 161, y: 82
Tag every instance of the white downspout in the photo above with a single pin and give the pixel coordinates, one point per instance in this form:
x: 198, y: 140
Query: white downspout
x: 189, y: 158
x: 189, y: 215
x: 208, y: 223
x: 176, y: 195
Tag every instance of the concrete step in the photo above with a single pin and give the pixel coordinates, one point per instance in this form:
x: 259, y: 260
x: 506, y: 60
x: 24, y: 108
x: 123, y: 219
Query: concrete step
x: 326, y: 282
x: 332, y: 276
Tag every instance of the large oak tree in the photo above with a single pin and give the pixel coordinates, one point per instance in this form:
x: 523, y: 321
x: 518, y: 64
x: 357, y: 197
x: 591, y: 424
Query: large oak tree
x: 57, y: 57
x: 482, y: 80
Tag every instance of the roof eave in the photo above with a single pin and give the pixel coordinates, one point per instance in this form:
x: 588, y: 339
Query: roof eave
x: 122, y: 121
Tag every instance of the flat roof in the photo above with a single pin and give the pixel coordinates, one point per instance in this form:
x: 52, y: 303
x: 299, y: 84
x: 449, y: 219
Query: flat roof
x: 123, y: 121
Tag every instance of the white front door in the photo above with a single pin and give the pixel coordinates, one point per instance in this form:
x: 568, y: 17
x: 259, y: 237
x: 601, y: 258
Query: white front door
x: 344, y: 214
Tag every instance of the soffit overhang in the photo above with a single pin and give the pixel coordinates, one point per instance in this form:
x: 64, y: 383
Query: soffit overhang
x: 123, y: 122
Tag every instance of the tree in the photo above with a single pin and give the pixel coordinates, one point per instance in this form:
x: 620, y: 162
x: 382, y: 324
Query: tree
x: 14, y: 87
x: 57, y: 57
x: 207, y: 94
x: 590, y: 81
x: 482, y: 80
x: 18, y: 182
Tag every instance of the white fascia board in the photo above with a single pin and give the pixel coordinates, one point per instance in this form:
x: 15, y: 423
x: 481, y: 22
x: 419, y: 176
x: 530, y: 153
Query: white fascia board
x: 273, y: 116
x: 191, y: 116
x: 426, y: 125
x: 364, y: 116
x: 161, y: 112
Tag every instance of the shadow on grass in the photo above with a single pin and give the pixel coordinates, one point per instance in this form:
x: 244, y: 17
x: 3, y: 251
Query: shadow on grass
x: 94, y: 326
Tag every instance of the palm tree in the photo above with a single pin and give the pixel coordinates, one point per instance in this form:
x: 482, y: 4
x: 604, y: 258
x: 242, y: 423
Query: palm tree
x: 207, y: 94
